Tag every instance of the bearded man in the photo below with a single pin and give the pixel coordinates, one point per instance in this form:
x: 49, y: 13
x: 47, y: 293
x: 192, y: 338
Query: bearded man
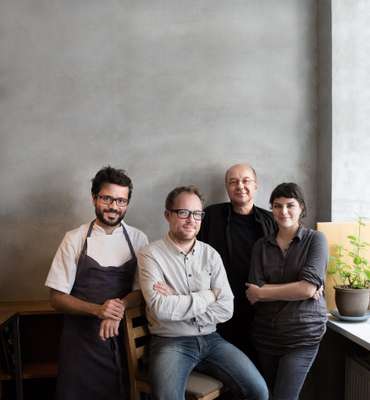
x: 92, y: 273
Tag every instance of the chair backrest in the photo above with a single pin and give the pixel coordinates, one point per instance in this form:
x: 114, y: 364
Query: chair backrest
x: 136, y: 339
x: 199, y: 387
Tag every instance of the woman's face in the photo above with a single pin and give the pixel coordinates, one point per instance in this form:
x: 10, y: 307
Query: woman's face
x: 286, y: 212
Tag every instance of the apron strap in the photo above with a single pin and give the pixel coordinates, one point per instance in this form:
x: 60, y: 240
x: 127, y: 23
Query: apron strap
x: 117, y: 355
x: 129, y: 242
x: 84, y: 248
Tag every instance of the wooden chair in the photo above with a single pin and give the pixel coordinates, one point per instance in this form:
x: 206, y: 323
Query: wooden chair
x: 199, y: 387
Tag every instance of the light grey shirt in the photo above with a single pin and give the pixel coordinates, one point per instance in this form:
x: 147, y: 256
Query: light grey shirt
x: 193, y: 309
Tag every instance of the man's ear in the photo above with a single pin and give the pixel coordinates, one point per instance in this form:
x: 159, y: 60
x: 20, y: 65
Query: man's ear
x: 93, y: 199
x: 166, y: 214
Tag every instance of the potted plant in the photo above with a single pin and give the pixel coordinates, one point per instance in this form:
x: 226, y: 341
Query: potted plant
x: 349, y: 264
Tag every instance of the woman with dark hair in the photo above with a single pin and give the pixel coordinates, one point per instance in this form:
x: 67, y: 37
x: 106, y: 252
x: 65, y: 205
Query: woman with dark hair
x: 286, y: 286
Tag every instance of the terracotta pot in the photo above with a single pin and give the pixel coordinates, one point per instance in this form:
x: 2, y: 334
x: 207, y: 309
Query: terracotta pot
x: 352, y: 302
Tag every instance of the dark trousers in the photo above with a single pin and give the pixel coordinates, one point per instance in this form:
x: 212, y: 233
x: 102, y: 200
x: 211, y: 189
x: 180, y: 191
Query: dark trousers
x: 285, y: 374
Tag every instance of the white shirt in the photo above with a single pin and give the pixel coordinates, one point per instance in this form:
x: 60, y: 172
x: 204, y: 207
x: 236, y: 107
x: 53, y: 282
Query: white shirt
x: 193, y: 309
x: 107, y: 250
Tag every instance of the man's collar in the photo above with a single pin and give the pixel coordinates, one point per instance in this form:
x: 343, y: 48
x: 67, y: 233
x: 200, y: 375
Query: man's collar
x: 177, y: 249
x: 231, y: 210
x: 117, y: 230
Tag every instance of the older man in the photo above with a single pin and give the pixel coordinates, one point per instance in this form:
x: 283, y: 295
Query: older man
x: 187, y: 293
x: 232, y: 228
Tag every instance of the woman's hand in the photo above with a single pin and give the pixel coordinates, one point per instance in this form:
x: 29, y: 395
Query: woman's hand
x: 252, y: 292
x: 318, y: 293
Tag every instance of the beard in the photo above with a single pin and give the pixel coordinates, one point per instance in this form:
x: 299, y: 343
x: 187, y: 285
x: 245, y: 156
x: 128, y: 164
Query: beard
x: 109, y: 222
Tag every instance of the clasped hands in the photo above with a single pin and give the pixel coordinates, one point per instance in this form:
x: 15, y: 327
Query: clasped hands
x: 111, y: 312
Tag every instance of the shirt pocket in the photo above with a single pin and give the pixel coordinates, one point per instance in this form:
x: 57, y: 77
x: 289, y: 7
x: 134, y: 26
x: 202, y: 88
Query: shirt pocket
x: 202, y: 278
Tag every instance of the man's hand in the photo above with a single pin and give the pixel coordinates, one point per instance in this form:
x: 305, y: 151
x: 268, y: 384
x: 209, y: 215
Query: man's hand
x: 319, y: 292
x: 108, y: 328
x: 112, y: 308
x: 252, y: 292
x: 216, y: 292
x: 163, y: 288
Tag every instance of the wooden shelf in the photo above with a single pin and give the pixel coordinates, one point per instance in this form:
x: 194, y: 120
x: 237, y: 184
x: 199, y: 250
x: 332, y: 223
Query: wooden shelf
x: 4, y: 376
x: 27, y: 307
x: 40, y: 370
x: 31, y: 332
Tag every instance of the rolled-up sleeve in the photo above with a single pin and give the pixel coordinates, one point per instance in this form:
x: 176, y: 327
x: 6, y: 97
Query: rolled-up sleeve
x: 314, y: 269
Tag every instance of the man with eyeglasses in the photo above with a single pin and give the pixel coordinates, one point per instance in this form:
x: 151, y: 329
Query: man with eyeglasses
x: 91, y: 275
x: 232, y: 228
x: 187, y: 294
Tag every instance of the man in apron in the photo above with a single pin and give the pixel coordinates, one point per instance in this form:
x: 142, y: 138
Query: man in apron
x: 92, y: 272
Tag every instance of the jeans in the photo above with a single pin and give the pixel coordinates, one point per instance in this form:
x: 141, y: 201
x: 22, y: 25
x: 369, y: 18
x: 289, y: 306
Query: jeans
x: 285, y: 374
x: 173, y: 358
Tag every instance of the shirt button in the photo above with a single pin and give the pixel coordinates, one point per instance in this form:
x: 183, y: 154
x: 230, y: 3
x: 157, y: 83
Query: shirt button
x: 189, y: 275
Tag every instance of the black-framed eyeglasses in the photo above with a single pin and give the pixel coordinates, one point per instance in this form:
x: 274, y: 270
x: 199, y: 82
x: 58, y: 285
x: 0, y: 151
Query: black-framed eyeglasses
x: 184, y: 213
x: 108, y: 200
x: 244, y: 181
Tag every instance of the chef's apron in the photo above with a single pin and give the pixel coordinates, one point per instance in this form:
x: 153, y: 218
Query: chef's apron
x: 89, y: 367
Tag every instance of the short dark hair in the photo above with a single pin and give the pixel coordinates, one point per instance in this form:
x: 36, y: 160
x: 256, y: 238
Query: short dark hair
x: 290, y: 191
x: 171, y: 197
x: 110, y: 175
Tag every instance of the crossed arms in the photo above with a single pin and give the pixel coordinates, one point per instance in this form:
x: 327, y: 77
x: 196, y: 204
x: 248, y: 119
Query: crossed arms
x: 171, y: 297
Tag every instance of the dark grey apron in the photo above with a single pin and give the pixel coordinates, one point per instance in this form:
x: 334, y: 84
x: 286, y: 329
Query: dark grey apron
x: 90, y: 368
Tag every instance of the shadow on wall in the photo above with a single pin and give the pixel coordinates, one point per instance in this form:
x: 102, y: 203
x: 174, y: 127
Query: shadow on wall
x: 33, y: 226
x: 31, y: 232
x: 148, y: 201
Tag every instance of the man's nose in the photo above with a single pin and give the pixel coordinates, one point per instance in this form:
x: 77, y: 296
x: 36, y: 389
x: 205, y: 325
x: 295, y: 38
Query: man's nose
x: 113, y: 204
x: 190, y: 217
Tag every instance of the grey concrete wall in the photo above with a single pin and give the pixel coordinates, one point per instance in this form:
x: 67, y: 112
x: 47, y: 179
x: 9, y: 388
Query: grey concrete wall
x: 324, y: 150
x: 350, y: 109
x: 173, y: 91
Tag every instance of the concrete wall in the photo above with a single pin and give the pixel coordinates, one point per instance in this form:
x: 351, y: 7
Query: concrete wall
x: 324, y: 150
x: 350, y: 109
x: 172, y: 91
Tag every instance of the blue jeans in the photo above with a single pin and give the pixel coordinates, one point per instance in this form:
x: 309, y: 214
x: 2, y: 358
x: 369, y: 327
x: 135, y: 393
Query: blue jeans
x: 173, y: 358
x: 285, y: 374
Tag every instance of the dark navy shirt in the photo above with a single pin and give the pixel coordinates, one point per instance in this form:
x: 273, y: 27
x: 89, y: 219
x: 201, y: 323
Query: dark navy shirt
x: 283, y: 325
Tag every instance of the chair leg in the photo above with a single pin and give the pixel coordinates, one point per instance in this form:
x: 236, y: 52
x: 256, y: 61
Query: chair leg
x: 135, y: 395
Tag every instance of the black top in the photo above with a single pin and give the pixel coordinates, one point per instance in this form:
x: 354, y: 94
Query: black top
x: 244, y: 232
x: 283, y: 325
x: 233, y: 236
